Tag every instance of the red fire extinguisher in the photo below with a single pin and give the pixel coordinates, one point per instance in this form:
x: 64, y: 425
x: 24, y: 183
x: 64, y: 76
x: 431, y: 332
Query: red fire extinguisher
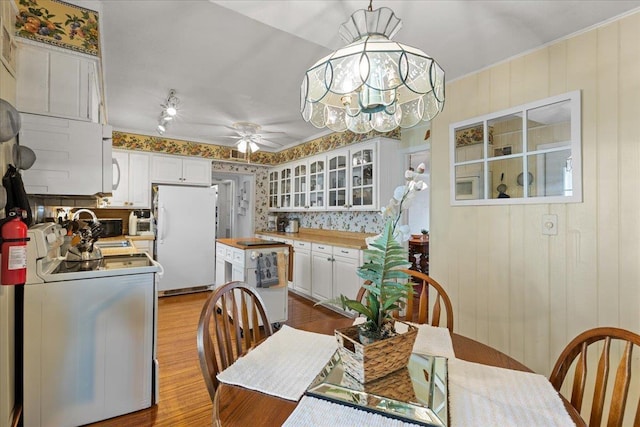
x: 13, y: 249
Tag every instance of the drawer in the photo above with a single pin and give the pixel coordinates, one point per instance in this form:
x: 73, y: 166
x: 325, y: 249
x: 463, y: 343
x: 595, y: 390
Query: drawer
x: 238, y: 257
x: 220, y: 250
x: 228, y: 254
x: 346, y: 252
x: 302, y: 245
x: 322, y: 248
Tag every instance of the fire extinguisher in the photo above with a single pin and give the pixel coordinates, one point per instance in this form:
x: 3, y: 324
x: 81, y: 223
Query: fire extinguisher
x: 13, y: 248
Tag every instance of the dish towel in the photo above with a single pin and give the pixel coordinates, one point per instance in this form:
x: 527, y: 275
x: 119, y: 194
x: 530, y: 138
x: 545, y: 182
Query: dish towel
x: 283, y: 365
x: 431, y: 340
x: 312, y: 412
x: 267, y: 270
x: 481, y: 395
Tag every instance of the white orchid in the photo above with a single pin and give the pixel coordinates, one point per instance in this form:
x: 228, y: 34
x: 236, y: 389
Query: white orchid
x: 400, y: 202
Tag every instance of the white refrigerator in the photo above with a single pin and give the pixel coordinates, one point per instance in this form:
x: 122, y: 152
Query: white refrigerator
x: 186, y: 236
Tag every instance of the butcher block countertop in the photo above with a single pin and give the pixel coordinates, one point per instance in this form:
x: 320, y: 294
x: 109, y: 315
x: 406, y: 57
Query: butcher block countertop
x: 345, y: 239
x: 247, y: 243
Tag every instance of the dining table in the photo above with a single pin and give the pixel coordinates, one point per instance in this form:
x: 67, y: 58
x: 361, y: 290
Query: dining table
x: 238, y: 406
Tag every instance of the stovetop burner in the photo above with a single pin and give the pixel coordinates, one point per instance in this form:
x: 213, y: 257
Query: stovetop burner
x: 106, y: 263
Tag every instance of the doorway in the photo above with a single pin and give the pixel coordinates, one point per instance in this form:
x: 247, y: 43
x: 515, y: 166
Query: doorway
x: 236, y: 204
x: 418, y: 214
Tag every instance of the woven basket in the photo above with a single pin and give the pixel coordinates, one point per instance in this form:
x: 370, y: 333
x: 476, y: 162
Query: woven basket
x: 372, y: 361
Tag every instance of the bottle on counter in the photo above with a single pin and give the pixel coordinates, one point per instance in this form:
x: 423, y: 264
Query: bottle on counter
x: 133, y: 224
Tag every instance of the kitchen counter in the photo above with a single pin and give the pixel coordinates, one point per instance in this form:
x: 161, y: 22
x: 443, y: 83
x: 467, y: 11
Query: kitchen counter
x: 346, y: 239
x: 247, y: 243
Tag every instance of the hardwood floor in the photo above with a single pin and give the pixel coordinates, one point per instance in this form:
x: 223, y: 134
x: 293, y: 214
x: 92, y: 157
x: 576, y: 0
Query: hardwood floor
x: 184, y: 400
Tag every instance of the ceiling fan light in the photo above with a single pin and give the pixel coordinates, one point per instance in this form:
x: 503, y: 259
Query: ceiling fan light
x: 253, y: 146
x: 242, y: 145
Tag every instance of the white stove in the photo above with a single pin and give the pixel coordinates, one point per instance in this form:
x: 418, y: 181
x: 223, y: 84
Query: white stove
x: 88, y: 336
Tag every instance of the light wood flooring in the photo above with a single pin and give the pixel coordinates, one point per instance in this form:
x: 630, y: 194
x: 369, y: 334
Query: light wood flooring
x: 184, y: 400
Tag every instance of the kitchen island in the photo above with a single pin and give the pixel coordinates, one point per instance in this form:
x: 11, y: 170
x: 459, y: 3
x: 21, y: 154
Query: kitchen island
x: 264, y: 265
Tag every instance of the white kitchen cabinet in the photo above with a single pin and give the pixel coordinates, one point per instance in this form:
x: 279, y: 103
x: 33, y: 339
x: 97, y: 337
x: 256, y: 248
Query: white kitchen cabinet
x: 302, y: 267
x: 180, y: 170
x: 131, y: 187
x: 321, y: 271
x: 57, y: 83
x: 70, y: 156
x: 274, y: 180
x: 345, y: 277
x: 359, y: 177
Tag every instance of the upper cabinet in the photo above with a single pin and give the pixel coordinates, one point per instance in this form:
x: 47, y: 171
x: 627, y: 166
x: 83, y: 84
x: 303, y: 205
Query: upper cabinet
x: 131, y: 187
x: 344, y: 179
x: 180, y: 170
x: 56, y: 83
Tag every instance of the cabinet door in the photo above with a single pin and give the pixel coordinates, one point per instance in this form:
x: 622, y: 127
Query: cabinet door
x: 363, y: 178
x: 220, y: 271
x: 139, y: 186
x: 302, y: 271
x: 337, y: 180
x: 120, y: 192
x: 33, y: 80
x: 285, y: 188
x: 65, y: 83
x: 317, y: 184
x: 321, y: 276
x: 273, y: 188
x: 345, y: 276
x: 166, y: 169
x: 299, y: 193
x: 196, y: 171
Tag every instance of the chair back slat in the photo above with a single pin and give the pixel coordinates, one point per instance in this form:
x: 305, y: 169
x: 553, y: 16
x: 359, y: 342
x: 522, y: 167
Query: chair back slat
x: 617, y: 393
x: 422, y: 316
x: 232, y: 322
x: 621, y: 388
x: 579, y: 379
x: 600, y: 389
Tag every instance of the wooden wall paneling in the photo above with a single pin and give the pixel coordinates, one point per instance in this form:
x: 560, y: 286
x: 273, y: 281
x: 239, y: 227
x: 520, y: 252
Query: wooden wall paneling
x: 500, y: 78
x: 497, y: 283
x: 468, y: 224
x: 629, y: 175
x: 517, y: 82
x: 581, y: 74
x: 608, y: 197
x: 483, y: 268
x: 516, y: 301
x: 558, y: 68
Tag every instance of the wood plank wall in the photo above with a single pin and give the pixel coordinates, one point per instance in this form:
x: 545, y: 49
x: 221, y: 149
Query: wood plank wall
x: 512, y: 287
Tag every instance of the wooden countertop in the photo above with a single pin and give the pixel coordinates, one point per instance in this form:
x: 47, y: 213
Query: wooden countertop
x: 239, y: 243
x: 346, y: 239
x: 122, y: 250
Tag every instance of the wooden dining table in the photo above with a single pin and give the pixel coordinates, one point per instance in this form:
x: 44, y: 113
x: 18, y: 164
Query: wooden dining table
x: 238, y: 406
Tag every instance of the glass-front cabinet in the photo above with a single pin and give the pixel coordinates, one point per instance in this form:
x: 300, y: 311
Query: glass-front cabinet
x: 273, y: 189
x: 300, y: 186
x: 338, y: 178
x: 362, y: 178
x: 285, y: 188
x: 348, y: 178
x: 317, y: 177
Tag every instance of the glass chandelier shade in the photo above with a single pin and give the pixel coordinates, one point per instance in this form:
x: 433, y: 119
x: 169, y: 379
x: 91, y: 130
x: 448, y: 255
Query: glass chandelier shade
x: 374, y: 82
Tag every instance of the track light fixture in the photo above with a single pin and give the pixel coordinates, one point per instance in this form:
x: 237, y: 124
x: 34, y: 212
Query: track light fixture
x: 169, y: 111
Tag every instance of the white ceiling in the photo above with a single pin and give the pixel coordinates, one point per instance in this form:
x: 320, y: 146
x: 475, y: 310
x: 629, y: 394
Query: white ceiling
x: 233, y: 61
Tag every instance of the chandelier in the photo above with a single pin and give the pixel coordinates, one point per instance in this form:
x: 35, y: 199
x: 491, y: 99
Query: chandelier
x: 169, y: 112
x: 373, y: 82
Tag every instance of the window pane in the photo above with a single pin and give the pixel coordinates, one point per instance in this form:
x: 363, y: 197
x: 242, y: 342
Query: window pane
x: 551, y: 174
x: 506, y: 134
x: 469, y: 182
x: 469, y: 143
x: 549, y: 124
x: 502, y: 175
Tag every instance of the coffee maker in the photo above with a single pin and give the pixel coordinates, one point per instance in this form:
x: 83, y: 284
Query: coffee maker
x: 283, y: 222
x: 272, y: 222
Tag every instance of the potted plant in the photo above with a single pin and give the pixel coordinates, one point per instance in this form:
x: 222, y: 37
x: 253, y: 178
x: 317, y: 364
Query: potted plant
x: 387, y: 291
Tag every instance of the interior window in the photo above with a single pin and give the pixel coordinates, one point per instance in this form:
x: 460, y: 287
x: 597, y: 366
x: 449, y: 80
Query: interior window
x: 527, y: 154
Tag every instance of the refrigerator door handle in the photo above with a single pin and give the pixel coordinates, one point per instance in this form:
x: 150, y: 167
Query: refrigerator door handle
x: 163, y: 228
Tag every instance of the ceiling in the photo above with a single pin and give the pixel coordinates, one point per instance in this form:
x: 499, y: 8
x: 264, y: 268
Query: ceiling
x: 232, y: 61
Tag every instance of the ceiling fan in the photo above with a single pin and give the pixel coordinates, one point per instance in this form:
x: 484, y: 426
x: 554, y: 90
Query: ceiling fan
x: 249, y: 137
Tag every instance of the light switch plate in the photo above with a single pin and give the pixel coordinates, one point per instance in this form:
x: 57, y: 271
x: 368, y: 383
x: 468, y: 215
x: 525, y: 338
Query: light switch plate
x: 550, y: 224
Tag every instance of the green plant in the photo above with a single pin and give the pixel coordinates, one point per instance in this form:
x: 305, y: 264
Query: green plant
x: 424, y: 231
x: 386, y: 285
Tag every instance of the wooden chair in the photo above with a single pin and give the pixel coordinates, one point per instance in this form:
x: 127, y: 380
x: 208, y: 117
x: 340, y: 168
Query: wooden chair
x: 232, y: 322
x: 577, y: 349
x: 420, y: 314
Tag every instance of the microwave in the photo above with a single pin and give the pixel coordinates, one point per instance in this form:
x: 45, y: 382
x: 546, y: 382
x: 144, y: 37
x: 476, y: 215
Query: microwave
x: 468, y: 188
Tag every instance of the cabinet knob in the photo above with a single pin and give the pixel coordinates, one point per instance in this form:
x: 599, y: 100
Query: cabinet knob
x: 329, y: 259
